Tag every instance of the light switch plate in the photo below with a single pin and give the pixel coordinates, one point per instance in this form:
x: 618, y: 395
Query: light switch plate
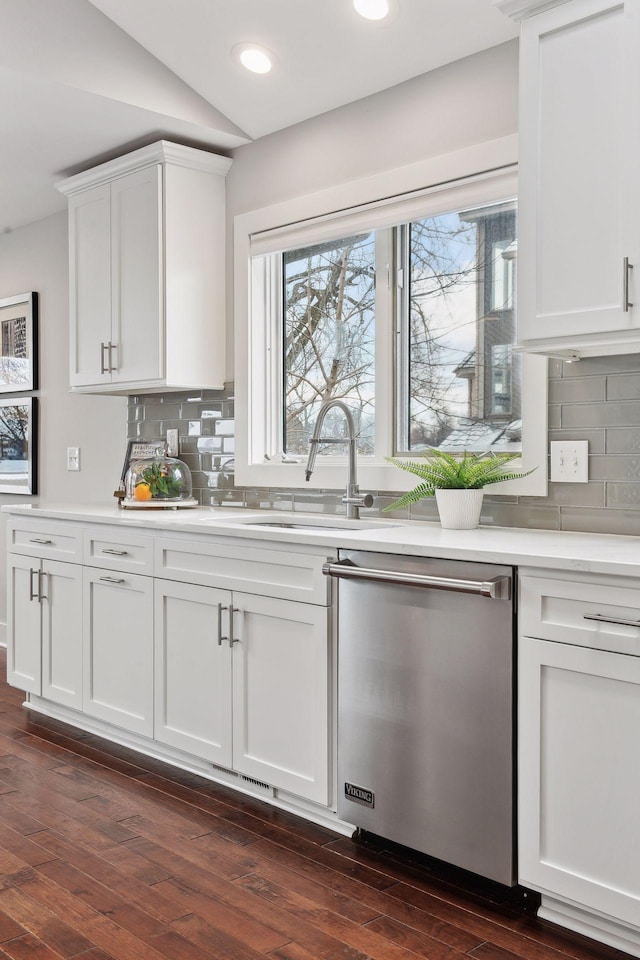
x: 73, y: 458
x: 569, y: 461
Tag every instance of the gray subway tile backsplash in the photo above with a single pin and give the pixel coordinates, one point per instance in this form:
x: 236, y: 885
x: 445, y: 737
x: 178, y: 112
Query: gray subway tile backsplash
x: 614, y: 467
x: 597, y: 399
x: 609, y: 414
x: 623, y: 440
x: 623, y: 495
x: 624, y: 387
x: 578, y: 390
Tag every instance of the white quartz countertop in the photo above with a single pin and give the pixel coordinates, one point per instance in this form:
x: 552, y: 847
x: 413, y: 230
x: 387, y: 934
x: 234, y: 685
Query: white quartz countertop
x: 559, y: 550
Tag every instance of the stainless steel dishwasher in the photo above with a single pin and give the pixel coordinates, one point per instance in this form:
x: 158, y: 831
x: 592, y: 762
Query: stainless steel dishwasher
x: 426, y: 706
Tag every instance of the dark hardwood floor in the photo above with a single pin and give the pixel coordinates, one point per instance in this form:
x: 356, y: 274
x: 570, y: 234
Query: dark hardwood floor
x: 105, y: 854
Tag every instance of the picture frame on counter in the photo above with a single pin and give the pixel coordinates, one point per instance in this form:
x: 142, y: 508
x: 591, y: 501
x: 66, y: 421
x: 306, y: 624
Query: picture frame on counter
x: 141, y: 450
x: 19, y: 445
x: 19, y: 343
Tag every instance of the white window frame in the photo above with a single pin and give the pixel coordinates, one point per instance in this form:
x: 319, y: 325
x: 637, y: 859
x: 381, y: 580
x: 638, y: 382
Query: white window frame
x: 338, y: 211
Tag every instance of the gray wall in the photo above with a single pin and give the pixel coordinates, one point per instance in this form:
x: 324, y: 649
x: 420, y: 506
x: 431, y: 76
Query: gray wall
x: 36, y: 258
x: 465, y: 103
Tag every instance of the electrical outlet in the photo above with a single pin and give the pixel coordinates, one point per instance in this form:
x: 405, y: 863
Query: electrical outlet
x: 569, y: 461
x: 73, y: 458
x: 172, y: 443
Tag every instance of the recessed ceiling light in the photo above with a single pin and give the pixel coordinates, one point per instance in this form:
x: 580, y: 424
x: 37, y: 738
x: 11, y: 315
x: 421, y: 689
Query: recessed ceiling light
x: 372, y: 9
x: 253, y: 57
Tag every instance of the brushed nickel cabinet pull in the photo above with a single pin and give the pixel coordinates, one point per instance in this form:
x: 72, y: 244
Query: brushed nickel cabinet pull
x: 115, y: 553
x: 103, y: 347
x: 42, y: 576
x: 626, y: 268
x: 40, y: 540
x: 32, y: 594
x: 232, y: 639
x: 221, y: 609
x: 112, y: 579
x: 602, y: 618
x: 111, y: 348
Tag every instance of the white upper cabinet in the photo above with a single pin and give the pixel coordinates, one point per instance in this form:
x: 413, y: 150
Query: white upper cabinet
x: 579, y: 198
x: 146, y: 271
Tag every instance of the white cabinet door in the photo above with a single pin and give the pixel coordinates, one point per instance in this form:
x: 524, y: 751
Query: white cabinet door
x: 24, y: 654
x: 579, y: 779
x: 61, y: 611
x: 193, y: 670
x: 118, y: 649
x: 89, y: 285
x: 280, y: 693
x: 579, y: 193
x: 137, y: 276
x: 147, y: 236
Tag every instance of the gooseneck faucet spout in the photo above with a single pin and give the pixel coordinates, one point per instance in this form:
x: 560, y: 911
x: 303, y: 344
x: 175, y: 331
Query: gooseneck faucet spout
x: 352, y: 499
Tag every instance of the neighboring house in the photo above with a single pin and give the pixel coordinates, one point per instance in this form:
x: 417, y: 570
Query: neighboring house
x: 492, y: 370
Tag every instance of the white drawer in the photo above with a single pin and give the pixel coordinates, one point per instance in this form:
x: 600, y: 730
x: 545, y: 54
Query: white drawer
x: 118, y: 550
x: 585, y: 612
x: 45, y: 538
x: 267, y: 572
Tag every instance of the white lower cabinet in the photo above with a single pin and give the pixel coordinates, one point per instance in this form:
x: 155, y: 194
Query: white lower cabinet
x: 235, y: 678
x: 44, y: 630
x: 579, y: 779
x: 118, y: 649
x: 242, y: 680
x: 280, y: 694
x: 193, y: 670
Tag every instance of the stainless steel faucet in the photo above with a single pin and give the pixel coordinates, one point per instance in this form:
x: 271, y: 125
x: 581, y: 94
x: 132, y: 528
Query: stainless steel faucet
x: 352, y: 499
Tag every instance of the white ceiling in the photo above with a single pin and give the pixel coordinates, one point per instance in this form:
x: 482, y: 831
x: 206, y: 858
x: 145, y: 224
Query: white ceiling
x: 84, y: 80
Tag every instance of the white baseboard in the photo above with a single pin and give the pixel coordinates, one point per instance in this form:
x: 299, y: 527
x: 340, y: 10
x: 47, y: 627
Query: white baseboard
x: 591, y: 924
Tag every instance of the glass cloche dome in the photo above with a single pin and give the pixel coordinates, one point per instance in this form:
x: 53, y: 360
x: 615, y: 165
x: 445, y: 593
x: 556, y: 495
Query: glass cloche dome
x: 158, y: 482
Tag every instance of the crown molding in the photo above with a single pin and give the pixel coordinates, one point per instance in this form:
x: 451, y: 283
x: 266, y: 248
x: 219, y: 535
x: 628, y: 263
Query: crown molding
x: 522, y: 9
x: 161, y: 152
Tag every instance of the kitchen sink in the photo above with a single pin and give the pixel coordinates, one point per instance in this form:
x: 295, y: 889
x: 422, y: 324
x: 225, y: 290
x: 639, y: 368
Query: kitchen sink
x: 290, y: 521
x: 311, y: 525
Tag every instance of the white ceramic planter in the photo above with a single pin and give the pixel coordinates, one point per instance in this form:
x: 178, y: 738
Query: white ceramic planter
x: 459, y: 509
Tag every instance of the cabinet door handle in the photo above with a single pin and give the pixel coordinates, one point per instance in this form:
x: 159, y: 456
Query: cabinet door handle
x: 103, y: 347
x: 112, y: 579
x: 221, y: 609
x: 232, y: 639
x: 40, y: 540
x: 32, y: 594
x: 602, y: 618
x: 626, y: 269
x: 111, y: 347
x: 43, y: 577
x: 115, y: 553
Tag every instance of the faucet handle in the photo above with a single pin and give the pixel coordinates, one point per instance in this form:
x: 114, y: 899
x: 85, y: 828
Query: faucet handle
x: 358, y: 499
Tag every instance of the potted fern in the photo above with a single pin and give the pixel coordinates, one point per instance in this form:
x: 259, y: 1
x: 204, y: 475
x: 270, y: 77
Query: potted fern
x: 458, y: 483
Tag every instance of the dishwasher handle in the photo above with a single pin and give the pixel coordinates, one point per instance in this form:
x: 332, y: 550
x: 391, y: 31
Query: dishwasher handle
x: 498, y: 588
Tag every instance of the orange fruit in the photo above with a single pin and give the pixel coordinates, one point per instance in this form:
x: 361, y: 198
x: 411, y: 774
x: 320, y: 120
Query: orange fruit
x: 142, y: 491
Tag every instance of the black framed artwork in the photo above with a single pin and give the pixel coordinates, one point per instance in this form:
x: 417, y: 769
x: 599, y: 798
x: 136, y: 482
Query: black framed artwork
x: 19, y: 343
x: 18, y: 445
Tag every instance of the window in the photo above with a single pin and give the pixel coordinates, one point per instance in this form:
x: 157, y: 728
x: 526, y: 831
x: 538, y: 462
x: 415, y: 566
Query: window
x: 328, y: 339
x: 404, y: 309
x: 462, y: 387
